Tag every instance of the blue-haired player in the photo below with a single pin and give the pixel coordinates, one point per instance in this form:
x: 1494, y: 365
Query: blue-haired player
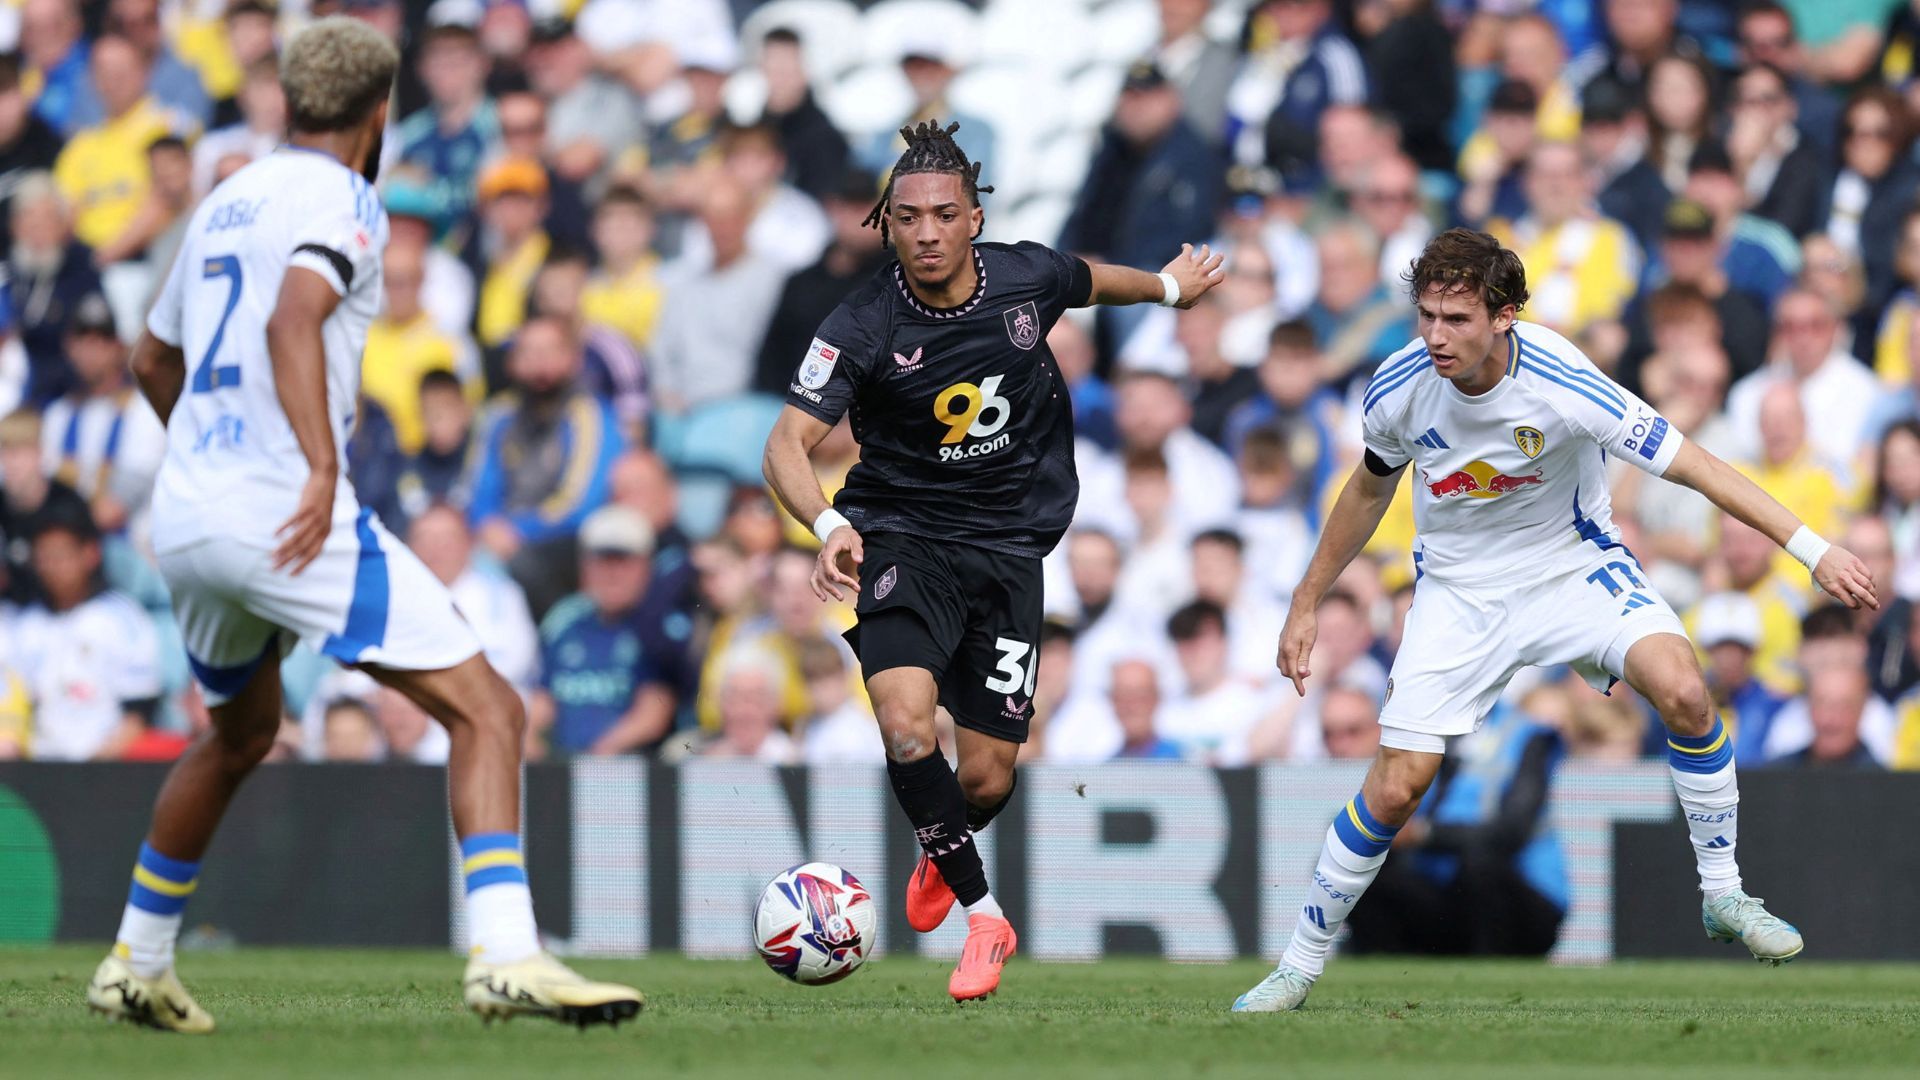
x: 252, y: 358
x: 1508, y: 427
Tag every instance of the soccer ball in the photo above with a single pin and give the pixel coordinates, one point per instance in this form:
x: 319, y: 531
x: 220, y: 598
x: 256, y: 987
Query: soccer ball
x: 814, y: 924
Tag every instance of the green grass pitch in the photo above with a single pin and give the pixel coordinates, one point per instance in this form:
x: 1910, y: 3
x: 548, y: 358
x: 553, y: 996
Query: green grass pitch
x: 286, y: 1012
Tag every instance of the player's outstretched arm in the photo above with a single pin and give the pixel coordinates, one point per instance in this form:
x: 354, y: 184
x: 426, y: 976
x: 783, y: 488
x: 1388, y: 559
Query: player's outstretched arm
x: 1350, y: 524
x: 1186, y: 279
x: 299, y: 358
x: 1835, y: 569
x: 788, y: 467
x: 161, y: 371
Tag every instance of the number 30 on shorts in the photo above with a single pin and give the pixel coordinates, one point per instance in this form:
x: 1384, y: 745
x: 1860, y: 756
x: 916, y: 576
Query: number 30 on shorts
x: 1011, y: 677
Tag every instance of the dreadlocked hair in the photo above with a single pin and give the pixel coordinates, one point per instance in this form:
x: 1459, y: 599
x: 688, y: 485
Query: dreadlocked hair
x: 930, y: 149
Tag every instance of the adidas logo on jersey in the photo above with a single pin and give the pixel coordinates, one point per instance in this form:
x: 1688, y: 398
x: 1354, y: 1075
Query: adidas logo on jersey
x: 1432, y: 441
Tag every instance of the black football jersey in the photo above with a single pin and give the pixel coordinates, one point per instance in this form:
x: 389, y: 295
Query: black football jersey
x: 964, y: 424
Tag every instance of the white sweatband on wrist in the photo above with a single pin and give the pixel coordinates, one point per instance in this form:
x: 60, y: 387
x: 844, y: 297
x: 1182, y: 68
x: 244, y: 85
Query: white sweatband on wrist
x: 1172, y: 287
x: 1807, y: 547
x: 829, y: 520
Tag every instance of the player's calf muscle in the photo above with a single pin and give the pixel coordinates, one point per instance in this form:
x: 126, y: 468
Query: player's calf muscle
x: 1396, y: 783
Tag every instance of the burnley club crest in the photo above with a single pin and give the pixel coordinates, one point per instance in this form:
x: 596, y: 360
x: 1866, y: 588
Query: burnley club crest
x: 1023, y: 325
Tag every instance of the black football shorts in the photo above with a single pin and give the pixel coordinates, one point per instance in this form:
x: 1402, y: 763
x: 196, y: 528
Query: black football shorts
x: 968, y: 615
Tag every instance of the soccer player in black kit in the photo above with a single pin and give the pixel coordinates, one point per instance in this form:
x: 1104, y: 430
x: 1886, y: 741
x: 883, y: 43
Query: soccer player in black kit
x: 966, y: 479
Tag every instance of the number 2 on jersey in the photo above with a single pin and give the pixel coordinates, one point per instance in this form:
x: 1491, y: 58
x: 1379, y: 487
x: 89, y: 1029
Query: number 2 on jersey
x: 206, y: 377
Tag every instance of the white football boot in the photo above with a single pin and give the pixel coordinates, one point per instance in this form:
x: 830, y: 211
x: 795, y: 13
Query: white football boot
x: 1283, y: 991
x: 1739, y: 917
x: 543, y: 986
x: 160, y: 1002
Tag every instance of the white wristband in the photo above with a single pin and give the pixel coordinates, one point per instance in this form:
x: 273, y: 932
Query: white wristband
x: 1172, y: 287
x: 1807, y: 547
x: 829, y: 520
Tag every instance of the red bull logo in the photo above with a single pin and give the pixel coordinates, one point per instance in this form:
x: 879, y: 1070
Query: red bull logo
x: 1478, y: 480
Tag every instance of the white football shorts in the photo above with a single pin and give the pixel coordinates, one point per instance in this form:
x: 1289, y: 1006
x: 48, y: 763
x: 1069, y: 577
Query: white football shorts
x: 1462, y: 644
x: 367, y: 599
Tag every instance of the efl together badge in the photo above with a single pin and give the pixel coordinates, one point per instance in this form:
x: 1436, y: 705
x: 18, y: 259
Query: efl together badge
x: 817, y: 368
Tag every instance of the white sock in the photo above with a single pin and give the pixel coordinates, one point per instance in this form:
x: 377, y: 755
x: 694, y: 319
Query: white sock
x: 986, y: 905
x: 1702, y: 771
x: 149, y: 940
x: 500, y: 919
x: 1355, y: 848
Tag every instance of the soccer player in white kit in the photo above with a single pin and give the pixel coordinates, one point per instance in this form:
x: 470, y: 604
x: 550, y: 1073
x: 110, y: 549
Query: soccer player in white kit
x: 252, y: 359
x: 1507, y: 427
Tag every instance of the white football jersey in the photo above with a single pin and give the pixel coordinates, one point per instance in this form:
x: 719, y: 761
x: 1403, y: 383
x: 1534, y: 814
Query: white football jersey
x: 232, y: 463
x: 1510, y: 487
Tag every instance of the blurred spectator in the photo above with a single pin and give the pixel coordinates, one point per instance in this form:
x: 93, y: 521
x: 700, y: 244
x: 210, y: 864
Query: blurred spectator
x: 1200, y: 67
x: 1894, y: 336
x: 171, y: 83
x: 1613, y: 135
x: 1479, y: 871
x: 1135, y: 704
x: 1349, y: 724
x: 103, y: 169
x: 753, y: 522
x: 1839, y: 278
x: 1210, y: 719
x: 1152, y: 185
x: 1413, y: 81
x: 375, y: 463
x: 837, y: 730
x: 1875, y: 185
x: 27, y: 144
x: 409, y: 733
x: 1093, y: 397
x: 715, y: 316
x: 90, y: 658
x: 1758, y: 255
x: 591, y: 118
x: 449, y: 140
x: 642, y: 481
x: 1727, y: 629
x: 55, y: 48
x: 817, y: 154
x: 160, y: 223
x: 1153, y: 415
x: 1766, y: 36
x: 624, y: 291
x: 1532, y: 53
x: 1833, y: 385
x: 523, y: 134
x: 1692, y: 259
x: 262, y: 125
x: 349, y: 733
x: 612, y: 369
x: 1679, y: 97
x: 1052, y: 687
x: 1388, y: 200
x: 1784, y: 176
x: 1217, y: 385
x: 1836, y: 703
x: 1105, y: 631
x: 1829, y: 641
x: 1787, y: 467
x: 1298, y: 64
x: 102, y: 438
x: 929, y: 59
x: 1253, y: 617
x: 787, y: 228
x: 599, y: 691
x: 1582, y: 268
x: 1293, y: 394
x: 1276, y: 516
x: 793, y: 617
x: 1357, y: 319
x: 1352, y: 139
x: 510, y: 246
x: 1640, y: 32
x: 751, y: 716
x: 446, y: 424
x: 1889, y: 631
x: 1745, y: 564
x: 1605, y: 729
x: 1896, y: 498
x: 489, y: 600
x: 1492, y: 187
x: 403, y: 345
x: 810, y: 295
x: 28, y: 498
x: 542, y: 460
x: 674, y: 171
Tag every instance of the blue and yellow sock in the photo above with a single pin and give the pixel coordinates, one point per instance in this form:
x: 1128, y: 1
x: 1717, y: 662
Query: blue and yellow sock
x: 1355, y: 846
x: 151, y: 921
x: 1703, y: 777
x: 499, y: 907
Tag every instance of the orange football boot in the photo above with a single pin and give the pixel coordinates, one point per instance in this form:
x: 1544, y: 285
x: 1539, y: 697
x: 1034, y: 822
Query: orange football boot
x: 990, y: 942
x: 928, y: 897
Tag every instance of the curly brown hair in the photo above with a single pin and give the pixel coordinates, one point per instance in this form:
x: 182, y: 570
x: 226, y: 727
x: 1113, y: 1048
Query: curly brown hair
x: 1462, y: 260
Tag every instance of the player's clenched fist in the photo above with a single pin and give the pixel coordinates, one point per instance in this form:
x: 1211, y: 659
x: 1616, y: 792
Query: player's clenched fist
x: 838, y: 564
x: 1296, y: 644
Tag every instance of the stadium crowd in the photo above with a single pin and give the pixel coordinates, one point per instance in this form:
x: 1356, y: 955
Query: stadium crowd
x: 617, y: 223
